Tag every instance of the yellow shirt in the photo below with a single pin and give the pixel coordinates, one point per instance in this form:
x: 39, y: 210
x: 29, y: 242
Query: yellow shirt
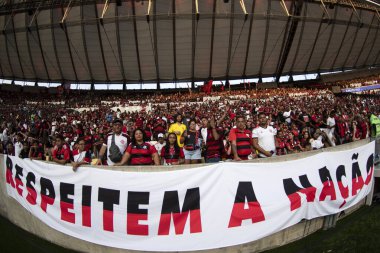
x: 178, y: 127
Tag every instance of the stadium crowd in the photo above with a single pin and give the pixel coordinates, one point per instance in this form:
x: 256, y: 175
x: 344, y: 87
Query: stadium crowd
x: 181, y: 127
x: 358, y: 82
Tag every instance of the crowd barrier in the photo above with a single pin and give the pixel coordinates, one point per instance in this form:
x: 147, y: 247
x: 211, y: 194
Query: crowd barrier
x: 15, y: 207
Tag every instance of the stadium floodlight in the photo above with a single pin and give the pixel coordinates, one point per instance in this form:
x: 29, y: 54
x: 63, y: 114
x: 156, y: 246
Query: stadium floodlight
x: 285, y: 8
x: 105, y: 8
x: 356, y: 13
x: 148, y: 11
x: 67, y: 10
x: 325, y: 9
x: 34, y: 13
x: 197, y: 9
x: 372, y: 2
x: 242, y: 4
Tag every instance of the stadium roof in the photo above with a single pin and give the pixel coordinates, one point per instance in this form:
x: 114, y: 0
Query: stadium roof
x: 190, y: 40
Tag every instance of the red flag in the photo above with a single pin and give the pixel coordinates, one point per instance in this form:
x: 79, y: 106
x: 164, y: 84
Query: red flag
x: 208, y: 87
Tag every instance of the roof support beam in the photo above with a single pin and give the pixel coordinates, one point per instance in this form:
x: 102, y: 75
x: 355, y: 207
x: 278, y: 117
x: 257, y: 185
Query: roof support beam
x: 17, y: 50
x: 352, y: 45
x: 365, y: 41
x: 136, y: 39
x: 7, y: 47
x: 249, y: 40
x: 314, y: 44
x: 356, y: 12
x: 212, y: 39
x: 174, y: 40
x: 230, y: 38
x: 329, y: 40
x: 299, y: 40
x: 286, y: 46
x: 101, y: 43
x: 155, y: 47
x: 41, y: 50
x: 54, y: 44
x: 377, y: 58
x: 341, y: 43
x: 194, y: 28
x: 69, y: 48
x: 118, y: 44
x: 85, y: 44
x: 373, y: 45
x: 265, y: 39
x: 1, y: 69
x: 325, y: 10
x: 29, y: 50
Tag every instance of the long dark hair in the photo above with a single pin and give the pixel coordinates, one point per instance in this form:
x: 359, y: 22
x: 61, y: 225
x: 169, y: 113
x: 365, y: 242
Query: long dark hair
x: 133, y: 140
x: 176, y: 147
x: 195, y: 122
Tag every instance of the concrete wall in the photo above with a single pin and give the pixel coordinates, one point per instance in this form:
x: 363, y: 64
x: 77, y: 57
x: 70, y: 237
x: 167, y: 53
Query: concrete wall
x: 10, y: 209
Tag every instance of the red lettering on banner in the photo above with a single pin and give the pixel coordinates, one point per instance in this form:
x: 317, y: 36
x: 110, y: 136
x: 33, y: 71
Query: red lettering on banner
x: 327, y: 190
x: 295, y: 198
x: 108, y: 220
x: 86, y: 205
x: 9, y: 177
x: 357, y: 185
x: 245, y: 194
x: 179, y: 220
x: 369, y: 176
x: 18, y: 184
x: 370, y: 167
x: 32, y: 196
x: 239, y: 213
x: 86, y: 216
x: 65, y: 214
x: 344, y: 191
x: 171, y: 208
x: 357, y: 180
x: 293, y: 191
x: 133, y: 226
x: 45, y: 200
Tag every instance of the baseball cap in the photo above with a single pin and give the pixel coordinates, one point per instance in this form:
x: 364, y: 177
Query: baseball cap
x: 160, y: 135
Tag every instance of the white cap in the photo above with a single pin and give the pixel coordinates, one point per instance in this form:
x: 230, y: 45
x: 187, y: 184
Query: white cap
x: 160, y: 135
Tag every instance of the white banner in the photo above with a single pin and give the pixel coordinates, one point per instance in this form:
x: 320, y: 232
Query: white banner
x: 208, y: 207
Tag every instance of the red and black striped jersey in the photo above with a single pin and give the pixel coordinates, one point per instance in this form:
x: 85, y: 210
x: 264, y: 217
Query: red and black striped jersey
x: 141, y: 154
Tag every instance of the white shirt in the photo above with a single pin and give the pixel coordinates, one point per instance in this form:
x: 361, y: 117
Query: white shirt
x: 266, y: 138
x: 18, y: 148
x: 159, y: 147
x: 204, y: 134
x: 121, y: 142
x: 5, y: 135
x: 316, y: 144
x: 331, y: 123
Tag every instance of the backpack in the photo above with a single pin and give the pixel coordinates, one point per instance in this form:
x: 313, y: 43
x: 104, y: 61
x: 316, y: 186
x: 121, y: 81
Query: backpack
x: 115, y: 155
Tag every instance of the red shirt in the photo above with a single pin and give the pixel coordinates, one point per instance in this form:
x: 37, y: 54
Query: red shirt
x: 141, y: 154
x: 171, y: 156
x: 62, y: 153
x: 243, y: 142
x: 281, y: 149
